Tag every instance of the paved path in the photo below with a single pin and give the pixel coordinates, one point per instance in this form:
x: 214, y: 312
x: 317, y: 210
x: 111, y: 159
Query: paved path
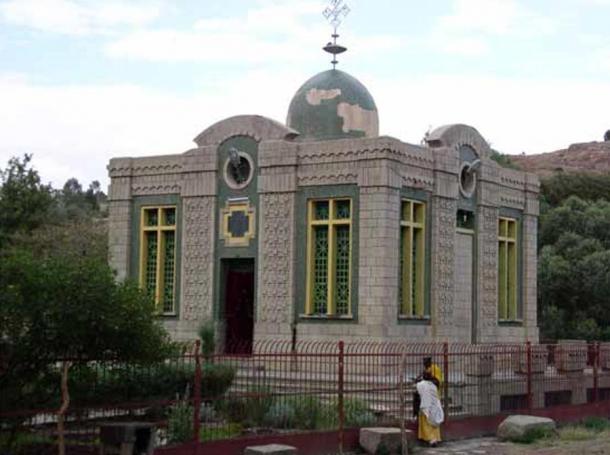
x: 479, y: 446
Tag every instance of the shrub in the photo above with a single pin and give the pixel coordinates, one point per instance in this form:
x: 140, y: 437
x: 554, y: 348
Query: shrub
x: 597, y: 424
x: 356, y: 414
x: 533, y: 435
x: 307, y: 411
x: 180, y: 422
x: 216, y: 379
x: 281, y: 414
x: 249, y: 409
x: 206, y: 334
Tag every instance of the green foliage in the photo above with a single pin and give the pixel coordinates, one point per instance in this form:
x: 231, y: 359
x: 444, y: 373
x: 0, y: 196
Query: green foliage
x: 206, y: 333
x: 180, y: 422
x: 25, y: 202
x: 503, y: 159
x: 281, y: 415
x: 356, y: 413
x: 575, y: 433
x: 226, y: 431
x: 587, y: 186
x: 533, y: 435
x: 216, y: 379
x: 574, y: 270
x: 597, y: 424
x: 75, y: 204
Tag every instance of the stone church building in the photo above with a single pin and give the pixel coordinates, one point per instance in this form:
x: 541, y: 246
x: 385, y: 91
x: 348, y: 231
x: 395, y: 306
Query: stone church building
x: 322, y: 229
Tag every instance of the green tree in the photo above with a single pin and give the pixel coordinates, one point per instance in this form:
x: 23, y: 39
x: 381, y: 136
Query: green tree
x: 60, y: 300
x: 24, y: 201
x: 574, y: 270
x: 587, y: 186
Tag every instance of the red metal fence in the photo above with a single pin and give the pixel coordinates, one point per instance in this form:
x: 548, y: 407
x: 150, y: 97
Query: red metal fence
x: 284, y: 387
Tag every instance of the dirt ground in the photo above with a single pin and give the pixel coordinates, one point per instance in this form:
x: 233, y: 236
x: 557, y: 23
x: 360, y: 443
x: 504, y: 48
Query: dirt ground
x: 482, y: 446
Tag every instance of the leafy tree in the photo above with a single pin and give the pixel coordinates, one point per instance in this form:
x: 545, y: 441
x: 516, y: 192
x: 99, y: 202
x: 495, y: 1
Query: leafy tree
x: 24, y: 201
x: 60, y: 300
x: 574, y: 270
x: 586, y: 186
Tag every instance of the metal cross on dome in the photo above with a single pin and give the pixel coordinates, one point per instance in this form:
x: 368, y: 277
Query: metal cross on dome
x: 335, y: 13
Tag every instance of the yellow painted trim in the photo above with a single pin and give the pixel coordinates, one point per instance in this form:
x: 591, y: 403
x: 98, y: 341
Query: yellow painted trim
x: 309, y: 278
x: 159, y: 229
x: 413, y: 233
x: 508, y: 232
x: 250, y: 234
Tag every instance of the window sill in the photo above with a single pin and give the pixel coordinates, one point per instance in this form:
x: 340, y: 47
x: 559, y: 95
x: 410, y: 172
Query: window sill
x: 414, y: 320
x: 510, y: 323
x: 326, y: 318
x: 166, y: 315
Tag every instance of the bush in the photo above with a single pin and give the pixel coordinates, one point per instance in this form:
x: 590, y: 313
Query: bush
x: 307, y: 411
x: 216, y: 379
x: 533, y: 435
x: 356, y: 414
x: 250, y: 410
x: 180, y: 422
x: 597, y: 424
x: 281, y: 414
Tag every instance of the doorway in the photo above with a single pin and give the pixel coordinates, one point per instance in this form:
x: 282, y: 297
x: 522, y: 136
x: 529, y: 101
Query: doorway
x: 238, y: 287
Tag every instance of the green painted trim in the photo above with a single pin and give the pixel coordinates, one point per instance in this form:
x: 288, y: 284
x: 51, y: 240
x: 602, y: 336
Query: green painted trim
x: 426, y: 197
x: 248, y: 145
x: 316, y: 192
x: 134, y: 263
x: 518, y: 215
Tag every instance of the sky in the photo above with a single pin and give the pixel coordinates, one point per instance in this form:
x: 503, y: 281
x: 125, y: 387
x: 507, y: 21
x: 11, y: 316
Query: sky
x: 82, y: 81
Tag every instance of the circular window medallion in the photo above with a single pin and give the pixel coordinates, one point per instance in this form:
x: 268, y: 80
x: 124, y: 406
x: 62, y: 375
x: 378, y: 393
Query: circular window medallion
x: 238, y: 169
x: 468, y: 180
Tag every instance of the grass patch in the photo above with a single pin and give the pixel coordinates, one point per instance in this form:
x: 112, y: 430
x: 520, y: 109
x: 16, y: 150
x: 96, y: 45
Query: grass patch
x: 230, y: 430
x: 597, y: 424
x: 534, y: 435
x: 576, y: 433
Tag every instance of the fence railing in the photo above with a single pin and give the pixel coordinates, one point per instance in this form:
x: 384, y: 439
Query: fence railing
x: 280, y: 386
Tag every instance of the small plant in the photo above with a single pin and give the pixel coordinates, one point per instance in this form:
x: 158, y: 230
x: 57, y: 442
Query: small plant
x: 206, y: 333
x: 576, y: 433
x: 220, y: 432
x: 597, y: 424
x: 307, y: 411
x: 533, y: 435
x: 180, y: 422
x: 281, y: 415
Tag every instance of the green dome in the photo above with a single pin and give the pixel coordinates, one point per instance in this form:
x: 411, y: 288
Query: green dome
x: 333, y: 105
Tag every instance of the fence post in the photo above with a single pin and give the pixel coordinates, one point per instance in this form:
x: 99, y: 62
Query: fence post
x: 197, y: 393
x: 446, y: 381
x: 341, y: 410
x: 530, y: 401
x: 595, y: 371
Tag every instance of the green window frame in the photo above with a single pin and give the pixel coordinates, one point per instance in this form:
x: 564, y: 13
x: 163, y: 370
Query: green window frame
x: 412, y: 288
x: 158, y: 250
x: 329, y: 257
x: 508, y: 269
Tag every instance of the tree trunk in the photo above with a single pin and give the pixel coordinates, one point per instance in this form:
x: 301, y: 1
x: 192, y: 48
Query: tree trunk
x: 65, y: 402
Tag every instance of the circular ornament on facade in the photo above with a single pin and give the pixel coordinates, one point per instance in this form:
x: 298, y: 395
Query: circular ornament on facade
x: 467, y: 180
x: 238, y: 169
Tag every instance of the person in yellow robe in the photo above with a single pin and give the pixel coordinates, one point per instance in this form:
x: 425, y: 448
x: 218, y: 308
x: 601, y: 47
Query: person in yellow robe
x: 430, y: 414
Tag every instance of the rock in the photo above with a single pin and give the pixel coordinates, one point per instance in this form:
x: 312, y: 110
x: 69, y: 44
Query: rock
x: 371, y: 439
x: 271, y: 449
x: 517, y: 426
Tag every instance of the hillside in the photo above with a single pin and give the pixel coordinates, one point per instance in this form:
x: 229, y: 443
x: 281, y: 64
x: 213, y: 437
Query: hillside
x: 585, y: 157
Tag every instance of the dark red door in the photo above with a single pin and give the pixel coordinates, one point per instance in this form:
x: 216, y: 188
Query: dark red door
x: 239, y: 307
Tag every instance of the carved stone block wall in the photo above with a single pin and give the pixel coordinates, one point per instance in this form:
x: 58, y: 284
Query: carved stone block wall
x: 275, y: 297
x: 443, y: 256
x: 197, y: 258
x: 119, y: 235
x: 487, y: 304
x: 530, y: 268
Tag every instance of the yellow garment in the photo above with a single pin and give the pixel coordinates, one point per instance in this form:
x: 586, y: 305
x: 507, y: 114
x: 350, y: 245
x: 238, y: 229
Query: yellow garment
x: 436, y: 373
x: 425, y: 431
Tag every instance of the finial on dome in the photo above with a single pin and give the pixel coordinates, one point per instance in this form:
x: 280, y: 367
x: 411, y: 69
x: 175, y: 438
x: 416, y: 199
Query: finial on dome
x: 335, y: 13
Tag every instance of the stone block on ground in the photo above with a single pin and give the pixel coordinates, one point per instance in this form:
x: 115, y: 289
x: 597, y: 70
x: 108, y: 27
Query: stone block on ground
x: 517, y: 426
x: 270, y: 449
x: 373, y: 438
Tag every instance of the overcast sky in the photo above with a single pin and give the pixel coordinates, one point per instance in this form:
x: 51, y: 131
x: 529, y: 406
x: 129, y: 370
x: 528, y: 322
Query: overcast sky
x: 82, y: 81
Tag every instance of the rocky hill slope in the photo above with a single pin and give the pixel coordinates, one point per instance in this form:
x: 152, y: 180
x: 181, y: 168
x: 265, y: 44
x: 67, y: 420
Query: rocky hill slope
x: 585, y: 157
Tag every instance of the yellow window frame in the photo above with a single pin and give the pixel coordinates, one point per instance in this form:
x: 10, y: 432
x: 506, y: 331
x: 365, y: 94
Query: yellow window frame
x: 413, y: 278
x: 331, y: 223
x: 160, y: 228
x: 508, y: 269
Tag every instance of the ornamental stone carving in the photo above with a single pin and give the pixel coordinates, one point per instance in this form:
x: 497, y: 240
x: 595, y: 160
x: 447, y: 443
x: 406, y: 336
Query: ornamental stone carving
x: 443, y: 258
x: 197, y: 258
x: 276, y: 249
x: 488, y: 265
